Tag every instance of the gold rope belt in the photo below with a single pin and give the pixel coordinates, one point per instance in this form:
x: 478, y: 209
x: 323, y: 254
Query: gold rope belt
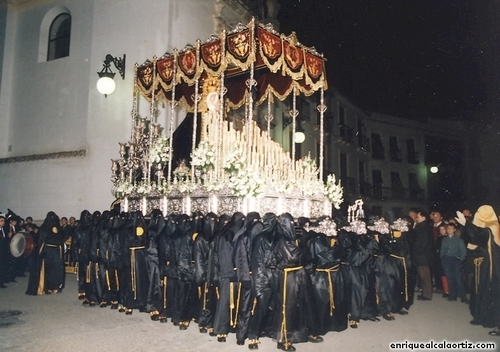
x: 117, y: 283
x: 330, y: 285
x: 106, y: 272
x: 41, y: 281
x: 132, y: 269
x: 477, y: 262
x: 164, y: 292
x: 87, y: 273
x: 254, y: 305
x: 232, y: 306
x: 283, y: 323
x: 205, y: 292
x: 406, y: 274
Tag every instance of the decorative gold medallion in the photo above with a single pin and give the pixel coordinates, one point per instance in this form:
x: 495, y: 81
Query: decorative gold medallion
x: 397, y: 234
x: 54, y: 230
x: 139, y: 231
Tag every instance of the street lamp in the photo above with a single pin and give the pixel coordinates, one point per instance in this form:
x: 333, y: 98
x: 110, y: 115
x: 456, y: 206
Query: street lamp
x: 106, y: 85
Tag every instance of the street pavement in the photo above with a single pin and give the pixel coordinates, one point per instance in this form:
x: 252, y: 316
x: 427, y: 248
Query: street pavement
x: 59, y: 322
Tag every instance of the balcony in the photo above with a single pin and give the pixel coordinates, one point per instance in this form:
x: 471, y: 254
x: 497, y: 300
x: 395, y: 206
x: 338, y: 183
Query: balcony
x: 395, y: 155
x: 397, y: 193
x: 365, y: 189
x: 413, y: 158
x: 363, y: 142
x: 346, y: 134
x: 349, y: 185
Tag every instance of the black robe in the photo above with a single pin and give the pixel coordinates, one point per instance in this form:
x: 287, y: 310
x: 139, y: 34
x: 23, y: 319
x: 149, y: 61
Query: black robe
x: 185, y: 295
x: 136, y: 274
x: 93, y: 290
x: 265, y: 280
x: 115, y: 260
x: 296, y: 321
x: 360, y: 250
x: 81, y: 247
x: 156, y: 226
x: 242, y: 255
x: 388, y: 278
x: 226, y: 309
x: 201, y: 251
x: 485, y: 296
x: 49, y: 274
x: 329, y: 286
x: 398, y: 249
x: 168, y: 266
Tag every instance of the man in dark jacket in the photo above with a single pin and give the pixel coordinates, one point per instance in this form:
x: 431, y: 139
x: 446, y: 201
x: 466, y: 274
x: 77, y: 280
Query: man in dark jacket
x: 423, y: 254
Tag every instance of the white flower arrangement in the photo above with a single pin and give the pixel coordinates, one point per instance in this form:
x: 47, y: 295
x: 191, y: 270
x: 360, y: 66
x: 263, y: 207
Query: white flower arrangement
x: 163, y: 187
x: 246, y: 183
x: 309, y: 168
x: 334, y: 191
x: 234, y: 161
x: 159, y: 152
x: 287, y: 186
x: 243, y: 181
x: 143, y: 188
x: 308, y: 182
x: 213, y: 187
x: 186, y: 186
x: 123, y: 189
x: 311, y: 187
x: 203, y: 157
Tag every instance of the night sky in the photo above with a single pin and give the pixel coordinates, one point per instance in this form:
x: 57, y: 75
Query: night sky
x: 408, y: 58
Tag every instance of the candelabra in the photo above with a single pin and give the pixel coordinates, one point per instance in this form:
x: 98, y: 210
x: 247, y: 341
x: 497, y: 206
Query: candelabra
x: 133, y: 160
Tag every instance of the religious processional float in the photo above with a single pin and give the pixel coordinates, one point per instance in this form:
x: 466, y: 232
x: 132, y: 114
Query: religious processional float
x: 232, y: 167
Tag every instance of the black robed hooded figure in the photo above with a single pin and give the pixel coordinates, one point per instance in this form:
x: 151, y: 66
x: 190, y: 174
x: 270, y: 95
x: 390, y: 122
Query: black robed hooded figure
x: 136, y: 292
x: 81, y: 245
x: 201, y: 250
x: 386, y: 271
x: 120, y: 257
x: 329, y: 286
x: 393, y: 262
x: 118, y: 221
x: 50, y: 267
x: 483, y: 238
x: 360, y: 249
x: 265, y: 281
x: 212, y: 268
x: 104, y: 279
x: 242, y: 259
x: 185, y: 292
x: 226, y: 312
x: 154, y: 301
x: 197, y: 225
x: 296, y: 321
x: 92, y: 288
x: 168, y: 267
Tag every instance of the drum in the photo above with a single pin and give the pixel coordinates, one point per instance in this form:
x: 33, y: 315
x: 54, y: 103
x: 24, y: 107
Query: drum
x: 21, y: 244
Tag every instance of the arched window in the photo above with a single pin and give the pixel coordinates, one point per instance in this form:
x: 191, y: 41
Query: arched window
x: 59, y: 37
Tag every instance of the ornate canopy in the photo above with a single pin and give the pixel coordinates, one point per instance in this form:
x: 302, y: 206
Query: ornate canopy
x: 280, y: 64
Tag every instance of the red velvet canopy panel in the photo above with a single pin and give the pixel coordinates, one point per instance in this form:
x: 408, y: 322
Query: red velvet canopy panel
x: 280, y: 64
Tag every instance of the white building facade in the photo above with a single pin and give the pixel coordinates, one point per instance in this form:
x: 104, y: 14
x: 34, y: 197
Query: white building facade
x: 58, y: 133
